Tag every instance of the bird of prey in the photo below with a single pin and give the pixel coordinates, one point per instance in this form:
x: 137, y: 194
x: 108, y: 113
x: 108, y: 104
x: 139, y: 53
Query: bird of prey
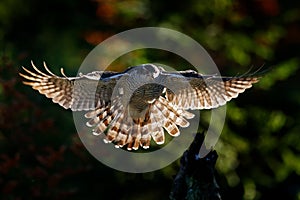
x: 133, y: 106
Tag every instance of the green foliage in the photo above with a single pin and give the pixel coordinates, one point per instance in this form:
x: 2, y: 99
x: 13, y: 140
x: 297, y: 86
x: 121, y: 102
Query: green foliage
x: 281, y: 71
x: 41, y: 154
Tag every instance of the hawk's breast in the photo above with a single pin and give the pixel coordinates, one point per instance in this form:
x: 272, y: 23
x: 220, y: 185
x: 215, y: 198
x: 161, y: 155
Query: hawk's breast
x: 142, y: 98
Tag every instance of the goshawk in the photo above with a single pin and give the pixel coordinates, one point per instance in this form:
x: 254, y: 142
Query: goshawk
x: 138, y: 104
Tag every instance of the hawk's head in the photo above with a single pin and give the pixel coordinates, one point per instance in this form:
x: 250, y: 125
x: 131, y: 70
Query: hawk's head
x: 150, y: 70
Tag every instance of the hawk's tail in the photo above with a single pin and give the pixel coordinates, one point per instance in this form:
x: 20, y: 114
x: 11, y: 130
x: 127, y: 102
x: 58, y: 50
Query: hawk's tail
x: 121, y: 129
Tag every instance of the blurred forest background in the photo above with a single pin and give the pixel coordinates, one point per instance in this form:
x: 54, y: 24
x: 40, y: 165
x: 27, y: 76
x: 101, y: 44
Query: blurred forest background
x: 41, y: 155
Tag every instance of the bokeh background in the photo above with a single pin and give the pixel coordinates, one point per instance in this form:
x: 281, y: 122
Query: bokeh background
x: 41, y: 155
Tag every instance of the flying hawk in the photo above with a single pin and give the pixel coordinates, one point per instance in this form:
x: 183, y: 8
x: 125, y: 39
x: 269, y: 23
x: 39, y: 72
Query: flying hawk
x: 133, y: 106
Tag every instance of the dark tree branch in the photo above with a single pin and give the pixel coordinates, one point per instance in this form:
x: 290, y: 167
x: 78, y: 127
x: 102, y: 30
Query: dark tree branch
x: 196, y: 177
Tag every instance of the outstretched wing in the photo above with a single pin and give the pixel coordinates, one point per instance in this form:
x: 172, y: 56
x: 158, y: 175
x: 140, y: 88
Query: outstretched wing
x: 192, y: 90
x: 85, y: 92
